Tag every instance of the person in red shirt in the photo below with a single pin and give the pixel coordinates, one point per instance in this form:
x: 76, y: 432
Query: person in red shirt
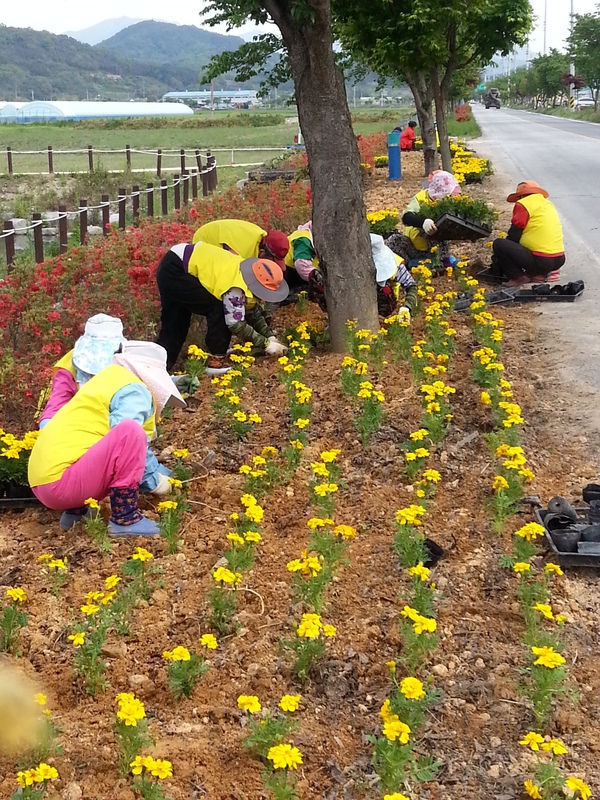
x: 407, y: 138
x: 533, y: 250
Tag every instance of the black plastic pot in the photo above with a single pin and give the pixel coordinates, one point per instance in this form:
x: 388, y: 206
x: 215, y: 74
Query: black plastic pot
x: 558, y: 505
x: 594, y: 513
x: 18, y: 490
x: 591, y: 492
x: 591, y: 534
x: 557, y: 522
x: 435, y: 552
x: 566, y: 540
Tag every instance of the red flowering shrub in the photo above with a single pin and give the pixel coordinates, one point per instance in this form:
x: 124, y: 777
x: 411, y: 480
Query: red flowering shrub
x: 375, y: 144
x: 43, y: 309
x: 463, y: 113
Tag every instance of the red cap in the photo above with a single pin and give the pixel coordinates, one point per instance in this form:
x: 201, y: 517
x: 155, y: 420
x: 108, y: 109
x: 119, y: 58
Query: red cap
x: 277, y: 245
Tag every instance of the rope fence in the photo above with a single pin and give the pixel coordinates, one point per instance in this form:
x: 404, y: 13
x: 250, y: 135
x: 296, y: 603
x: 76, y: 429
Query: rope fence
x: 185, y: 188
x: 160, y: 154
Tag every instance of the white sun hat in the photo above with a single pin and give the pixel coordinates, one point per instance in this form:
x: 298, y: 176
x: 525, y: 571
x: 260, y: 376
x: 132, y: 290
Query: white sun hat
x: 102, y: 338
x: 384, y: 259
x: 148, y: 362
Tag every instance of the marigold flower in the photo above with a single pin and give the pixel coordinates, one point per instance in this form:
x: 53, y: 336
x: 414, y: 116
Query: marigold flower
x: 412, y: 689
x: 112, y: 581
x: 555, y: 746
x: 17, y: 595
x: 296, y: 444
x: 395, y: 729
x: 544, y: 609
x: 209, y: 641
x: 249, y: 702
x: 137, y: 765
x: 485, y: 398
x: 248, y: 500
x: 397, y: 795
x: 44, y: 772
x: 532, y: 790
x: 323, y: 489
x: 553, y: 568
x: 182, y: 452
x: 290, y: 702
x: 224, y: 575
x: 77, y: 638
x: 499, y: 483
x: 40, y: 699
x: 432, y: 476
x: 89, y: 609
x: 547, y: 657
x: 245, y: 469
x: 240, y: 416
x: 161, y: 768
x: 577, y: 786
x: 167, y: 505
x: 91, y: 502
x: 235, y: 538
x: 329, y: 630
x: 419, y: 571
x: 253, y: 536
x: 141, y: 554
x: 254, y: 513
x: 521, y: 566
x: 255, y: 418
x: 131, y: 710
x: 284, y: 756
x: 310, y: 626
x: 532, y: 740
x: 329, y: 455
x: 25, y: 778
x: 301, y: 423
x: 345, y: 531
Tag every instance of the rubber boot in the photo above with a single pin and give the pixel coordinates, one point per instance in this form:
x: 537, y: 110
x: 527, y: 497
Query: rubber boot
x: 125, y: 518
x: 72, y: 516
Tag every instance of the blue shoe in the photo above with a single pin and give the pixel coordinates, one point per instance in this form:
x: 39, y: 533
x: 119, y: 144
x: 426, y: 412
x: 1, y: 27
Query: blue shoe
x: 145, y: 527
x: 67, y: 519
x: 449, y: 261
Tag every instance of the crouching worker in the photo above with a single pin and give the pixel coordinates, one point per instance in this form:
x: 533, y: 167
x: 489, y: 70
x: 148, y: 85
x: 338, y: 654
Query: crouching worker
x: 302, y: 256
x: 244, y: 239
x: 93, y: 352
x: 533, y: 251
x: 416, y: 242
x: 226, y: 289
x: 391, y: 277
x: 97, y: 444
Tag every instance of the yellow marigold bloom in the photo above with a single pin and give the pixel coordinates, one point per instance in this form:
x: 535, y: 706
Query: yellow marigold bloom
x: 297, y: 444
x: 421, y: 452
x: 485, y: 398
x: 553, y: 568
x: 397, y: 795
x: 424, y: 625
x: 532, y: 740
x: 412, y: 689
x: 348, y: 361
x: 384, y: 711
x: 91, y: 502
x: 577, y: 786
x: 105, y: 600
x: 363, y: 394
x: 379, y: 396
x: 555, y: 746
x: 180, y: 654
x: 131, y: 710
x: 137, y: 765
x: 410, y: 515
x: 391, y: 665
x: 345, y: 531
x: 521, y: 566
x: 40, y: 699
x: 78, y: 639
x: 301, y: 423
x: 254, y: 513
x: 253, y: 536
x: 89, y: 609
x: 245, y: 469
x: 317, y: 522
x: 93, y: 597
x: 527, y: 474
x: 410, y: 456
x: 329, y: 630
x: 45, y: 557
x: 320, y: 469
x: 224, y: 575
x: 284, y: 756
x: 248, y: 500
x: 323, y: 489
x: 249, y: 702
x: 240, y: 416
x: 547, y: 657
x: 25, y: 778
x: 112, y: 581
x: 532, y: 790
x: 236, y: 538
x: 290, y: 702
x: 167, y: 505
x: 560, y: 619
x: 233, y: 400
x: 329, y: 455
x: 531, y: 531
x: 17, y: 595
x: 209, y: 641
x: 420, y: 571
x: 394, y: 729
x: 161, y: 769
x: 141, y: 554
x: 499, y: 483
x: 182, y: 452
x: 310, y: 626
x: 544, y: 609
x: 417, y: 436
x: 44, y: 772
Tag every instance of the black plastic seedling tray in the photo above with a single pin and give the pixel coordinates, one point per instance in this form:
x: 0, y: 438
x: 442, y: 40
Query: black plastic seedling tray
x: 17, y: 503
x: 569, y: 559
x: 452, y: 228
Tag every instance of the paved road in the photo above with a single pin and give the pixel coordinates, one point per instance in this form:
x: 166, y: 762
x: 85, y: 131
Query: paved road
x: 563, y: 156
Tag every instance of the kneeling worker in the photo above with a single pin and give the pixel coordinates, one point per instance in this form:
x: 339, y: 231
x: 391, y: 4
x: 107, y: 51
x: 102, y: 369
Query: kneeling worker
x: 244, y: 239
x: 226, y: 289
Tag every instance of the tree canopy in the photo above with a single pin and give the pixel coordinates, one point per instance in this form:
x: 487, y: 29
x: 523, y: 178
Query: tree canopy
x: 584, y: 48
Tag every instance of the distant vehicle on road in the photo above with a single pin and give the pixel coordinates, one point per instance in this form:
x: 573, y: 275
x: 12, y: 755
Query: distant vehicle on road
x: 492, y: 98
x: 584, y: 102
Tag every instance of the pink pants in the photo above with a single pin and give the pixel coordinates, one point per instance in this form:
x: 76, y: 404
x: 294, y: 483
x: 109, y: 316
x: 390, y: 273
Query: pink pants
x: 117, y: 461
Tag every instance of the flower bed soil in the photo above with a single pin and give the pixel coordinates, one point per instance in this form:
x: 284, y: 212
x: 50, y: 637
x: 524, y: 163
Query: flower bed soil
x: 474, y: 728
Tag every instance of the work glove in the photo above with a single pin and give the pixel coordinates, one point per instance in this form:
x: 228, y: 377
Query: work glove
x: 163, y: 487
x: 185, y: 384
x: 275, y: 348
x: 404, y: 313
x: 429, y: 227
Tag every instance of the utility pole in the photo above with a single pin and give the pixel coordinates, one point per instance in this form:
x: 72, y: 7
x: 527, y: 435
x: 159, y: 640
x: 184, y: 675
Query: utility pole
x: 572, y: 67
x: 545, y: 22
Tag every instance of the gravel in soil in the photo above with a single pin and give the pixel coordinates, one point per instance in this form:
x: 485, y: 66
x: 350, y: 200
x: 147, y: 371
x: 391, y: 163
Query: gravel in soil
x: 475, y: 729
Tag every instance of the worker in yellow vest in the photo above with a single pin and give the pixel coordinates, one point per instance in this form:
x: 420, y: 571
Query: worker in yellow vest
x: 533, y: 250
x: 244, y: 239
x: 93, y: 352
x: 415, y: 243
x: 96, y: 445
x: 226, y: 289
x: 301, y: 259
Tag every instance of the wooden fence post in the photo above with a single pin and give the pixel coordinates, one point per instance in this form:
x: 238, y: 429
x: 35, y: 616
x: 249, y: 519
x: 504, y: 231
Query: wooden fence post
x: 159, y: 162
x: 9, y: 243
x: 122, y: 201
x: 164, y: 197
x: 90, y: 158
x: 185, y: 177
x: 204, y: 176
x: 194, y: 185
x: 62, y: 229
x: 198, y: 160
x: 128, y: 156
x: 176, y: 192
x: 10, y: 165
x: 135, y: 204
x: 38, y: 242
x: 50, y: 160
x: 105, y: 214
x: 83, y: 221
x: 150, y: 199
x: 182, y: 160
x: 211, y: 163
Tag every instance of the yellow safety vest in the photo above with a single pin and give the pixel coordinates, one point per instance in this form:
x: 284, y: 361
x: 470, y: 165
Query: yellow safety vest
x: 79, y: 425
x: 66, y: 362
x: 217, y: 270
x: 543, y: 233
x: 239, y: 235
x: 414, y: 234
x: 289, y: 259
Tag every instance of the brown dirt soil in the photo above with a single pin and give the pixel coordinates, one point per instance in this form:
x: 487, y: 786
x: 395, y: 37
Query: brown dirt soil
x: 475, y: 729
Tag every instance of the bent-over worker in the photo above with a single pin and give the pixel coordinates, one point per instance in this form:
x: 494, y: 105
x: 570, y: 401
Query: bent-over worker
x: 244, y: 239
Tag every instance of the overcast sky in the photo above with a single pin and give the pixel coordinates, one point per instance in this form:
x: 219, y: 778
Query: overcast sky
x: 72, y: 15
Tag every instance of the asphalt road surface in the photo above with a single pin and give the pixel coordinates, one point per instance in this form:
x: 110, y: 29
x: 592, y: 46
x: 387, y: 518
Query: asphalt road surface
x: 563, y: 156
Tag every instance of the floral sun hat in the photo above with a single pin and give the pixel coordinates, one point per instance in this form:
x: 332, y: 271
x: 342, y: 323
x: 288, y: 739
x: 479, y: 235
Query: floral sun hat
x: 442, y: 184
x: 102, y: 338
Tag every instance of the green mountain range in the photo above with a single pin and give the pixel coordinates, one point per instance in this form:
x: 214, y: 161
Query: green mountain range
x: 143, y: 60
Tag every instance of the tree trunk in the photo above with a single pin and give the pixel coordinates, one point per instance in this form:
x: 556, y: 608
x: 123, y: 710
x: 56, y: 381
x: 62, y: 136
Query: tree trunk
x: 423, y: 97
x: 341, y: 231
x: 440, y: 116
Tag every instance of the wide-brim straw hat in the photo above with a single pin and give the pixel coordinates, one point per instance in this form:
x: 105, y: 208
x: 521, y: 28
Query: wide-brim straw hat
x: 523, y: 189
x: 265, y: 279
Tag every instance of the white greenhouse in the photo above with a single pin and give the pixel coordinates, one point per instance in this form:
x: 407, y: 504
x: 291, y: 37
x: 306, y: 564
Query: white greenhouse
x: 46, y: 111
